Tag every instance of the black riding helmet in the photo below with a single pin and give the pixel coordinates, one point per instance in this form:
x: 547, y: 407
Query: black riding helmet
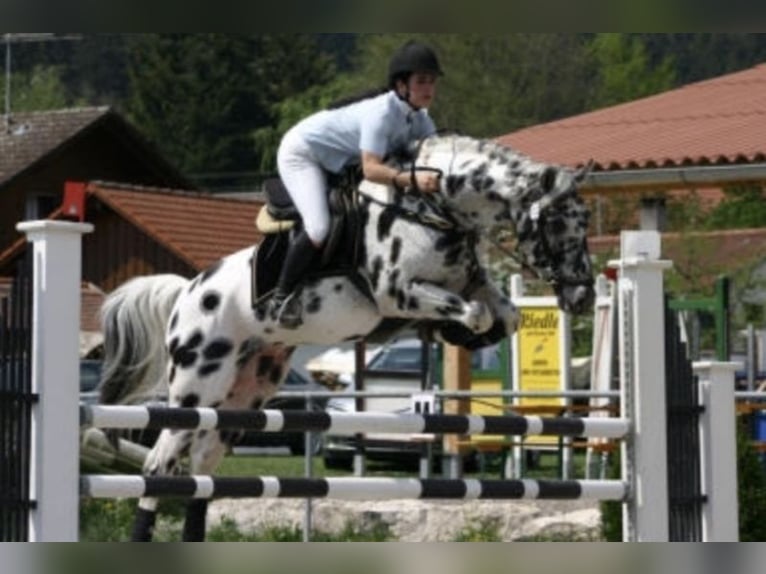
x: 410, y: 58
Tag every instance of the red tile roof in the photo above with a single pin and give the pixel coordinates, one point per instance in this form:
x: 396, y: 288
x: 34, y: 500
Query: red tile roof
x: 717, y: 121
x: 200, y: 228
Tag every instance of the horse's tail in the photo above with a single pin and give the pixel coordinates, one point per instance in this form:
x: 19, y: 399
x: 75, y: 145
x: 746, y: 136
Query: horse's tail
x: 133, y: 320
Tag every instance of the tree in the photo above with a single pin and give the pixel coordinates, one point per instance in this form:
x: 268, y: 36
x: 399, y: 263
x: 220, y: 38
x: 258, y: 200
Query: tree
x: 742, y: 207
x: 493, y: 83
x: 623, y: 70
x: 200, y: 97
x: 38, y: 89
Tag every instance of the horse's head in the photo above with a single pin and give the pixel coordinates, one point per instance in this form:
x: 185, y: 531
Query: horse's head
x: 551, y: 232
x: 488, y: 185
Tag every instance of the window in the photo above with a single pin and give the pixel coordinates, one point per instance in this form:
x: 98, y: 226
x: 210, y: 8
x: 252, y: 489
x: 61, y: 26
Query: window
x: 486, y: 359
x: 40, y: 205
x: 397, y: 359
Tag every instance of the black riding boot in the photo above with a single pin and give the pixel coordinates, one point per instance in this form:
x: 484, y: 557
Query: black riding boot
x: 283, y: 306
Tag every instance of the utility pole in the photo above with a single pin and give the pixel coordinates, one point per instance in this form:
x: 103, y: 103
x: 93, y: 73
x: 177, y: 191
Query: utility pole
x: 18, y: 38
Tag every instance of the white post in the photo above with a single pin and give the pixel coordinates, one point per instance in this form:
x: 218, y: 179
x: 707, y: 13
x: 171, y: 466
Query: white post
x: 55, y: 375
x: 718, y: 446
x: 642, y: 385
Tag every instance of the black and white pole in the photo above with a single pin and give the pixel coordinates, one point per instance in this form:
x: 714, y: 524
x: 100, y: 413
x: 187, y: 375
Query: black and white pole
x: 348, y: 488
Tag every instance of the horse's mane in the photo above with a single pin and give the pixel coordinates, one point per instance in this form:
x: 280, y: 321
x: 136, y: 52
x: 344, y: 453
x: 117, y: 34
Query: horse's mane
x: 461, y: 144
x: 460, y: 154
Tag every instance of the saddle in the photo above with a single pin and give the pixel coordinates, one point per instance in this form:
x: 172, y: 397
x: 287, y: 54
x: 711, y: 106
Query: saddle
x: 279, y: 220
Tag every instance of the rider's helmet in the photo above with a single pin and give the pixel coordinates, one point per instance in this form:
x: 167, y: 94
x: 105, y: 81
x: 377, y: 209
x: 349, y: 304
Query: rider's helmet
x: 410, y: 58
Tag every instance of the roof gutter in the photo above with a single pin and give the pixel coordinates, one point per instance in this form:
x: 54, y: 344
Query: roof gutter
x: 680, y: 177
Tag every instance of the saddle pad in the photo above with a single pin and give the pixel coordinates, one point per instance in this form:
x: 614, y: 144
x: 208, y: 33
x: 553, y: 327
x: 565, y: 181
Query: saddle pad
x: 266, y: 224
x: 378, y: 192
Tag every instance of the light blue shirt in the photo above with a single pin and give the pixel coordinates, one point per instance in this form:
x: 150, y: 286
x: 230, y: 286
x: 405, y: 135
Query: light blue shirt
x: 378, y: 125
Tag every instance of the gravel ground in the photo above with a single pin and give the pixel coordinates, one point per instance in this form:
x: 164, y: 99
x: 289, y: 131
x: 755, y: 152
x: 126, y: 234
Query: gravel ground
x: 422, y: 521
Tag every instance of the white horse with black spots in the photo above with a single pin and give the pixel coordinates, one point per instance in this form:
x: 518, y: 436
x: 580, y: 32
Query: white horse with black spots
x: 205, y: 343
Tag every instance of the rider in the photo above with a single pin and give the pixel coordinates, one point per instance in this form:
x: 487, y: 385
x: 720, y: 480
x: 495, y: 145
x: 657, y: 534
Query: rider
x: 361, y: 132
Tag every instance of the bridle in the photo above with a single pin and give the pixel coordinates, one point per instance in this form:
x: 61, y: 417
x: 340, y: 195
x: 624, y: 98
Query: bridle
x: 549, y: 274
x: 537, y: 212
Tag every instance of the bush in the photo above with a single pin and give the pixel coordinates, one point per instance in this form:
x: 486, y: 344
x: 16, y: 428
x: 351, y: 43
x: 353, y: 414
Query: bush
x: 611, y: 510
x: 751, y: 486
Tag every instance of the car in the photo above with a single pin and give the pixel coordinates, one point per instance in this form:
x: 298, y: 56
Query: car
x: 396, y: 367
x: 90, y: 376
x: 294, y: 382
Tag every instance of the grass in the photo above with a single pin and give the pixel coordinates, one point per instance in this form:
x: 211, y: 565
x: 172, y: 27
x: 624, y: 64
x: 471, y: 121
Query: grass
x: 294, y: 466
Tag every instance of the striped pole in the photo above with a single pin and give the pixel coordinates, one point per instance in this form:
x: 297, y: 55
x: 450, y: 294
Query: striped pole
x: 204, y: 418
x: 346, y: 488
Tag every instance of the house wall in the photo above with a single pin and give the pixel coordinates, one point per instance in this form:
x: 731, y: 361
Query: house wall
x: 101, y: 153
x: 117, y: 251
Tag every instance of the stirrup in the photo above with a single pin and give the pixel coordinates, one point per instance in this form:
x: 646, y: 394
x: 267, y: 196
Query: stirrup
x: 287, y: 310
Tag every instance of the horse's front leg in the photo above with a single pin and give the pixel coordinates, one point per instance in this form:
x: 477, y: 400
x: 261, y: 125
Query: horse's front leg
x: 505, y: 322
x: 422, y: 300
x: 502, y: 307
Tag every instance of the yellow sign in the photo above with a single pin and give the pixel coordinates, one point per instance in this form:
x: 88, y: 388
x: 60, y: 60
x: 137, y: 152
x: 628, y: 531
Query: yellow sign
x: 539, y: 354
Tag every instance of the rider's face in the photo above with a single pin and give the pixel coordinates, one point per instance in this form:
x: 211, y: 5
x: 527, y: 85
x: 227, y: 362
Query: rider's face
x: 422, y: 88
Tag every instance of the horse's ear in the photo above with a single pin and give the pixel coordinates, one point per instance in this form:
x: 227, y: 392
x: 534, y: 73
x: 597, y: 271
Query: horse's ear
x: 581, y: 173
x: 548, y: 179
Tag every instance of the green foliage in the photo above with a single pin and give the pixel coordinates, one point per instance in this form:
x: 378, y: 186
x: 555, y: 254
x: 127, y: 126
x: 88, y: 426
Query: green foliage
x: 112, y: 520
x: 41, y: 88
x: 493, y: 83
x: 751, y: 487
x: 200, y: 97
x: 624, y: 71
x: 289, y: 111
x: 611, y: 510
x: 220, y: 102
x: 742, y: 207
x: 485, y: 530
x: 686, y: 212
x: 106, y: 520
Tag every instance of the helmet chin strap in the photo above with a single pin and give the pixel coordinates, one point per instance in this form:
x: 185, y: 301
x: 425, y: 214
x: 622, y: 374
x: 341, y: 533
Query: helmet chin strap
x: 406, y: 98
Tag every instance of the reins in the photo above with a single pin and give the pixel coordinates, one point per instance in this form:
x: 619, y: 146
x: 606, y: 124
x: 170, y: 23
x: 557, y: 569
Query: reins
x: 537, y: 214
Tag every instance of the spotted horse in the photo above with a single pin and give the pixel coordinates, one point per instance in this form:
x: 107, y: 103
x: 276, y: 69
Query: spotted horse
x: 205, y: 343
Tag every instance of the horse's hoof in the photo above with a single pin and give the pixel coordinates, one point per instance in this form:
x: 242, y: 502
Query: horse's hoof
x: 480, y: 317
x: 291, y: 314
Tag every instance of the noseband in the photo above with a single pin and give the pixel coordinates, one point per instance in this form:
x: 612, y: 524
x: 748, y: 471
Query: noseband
x: 550, y: 274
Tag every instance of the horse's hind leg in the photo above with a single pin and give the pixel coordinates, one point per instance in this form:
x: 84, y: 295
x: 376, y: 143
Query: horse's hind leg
x: 206, y: 454
x: 163, y: 459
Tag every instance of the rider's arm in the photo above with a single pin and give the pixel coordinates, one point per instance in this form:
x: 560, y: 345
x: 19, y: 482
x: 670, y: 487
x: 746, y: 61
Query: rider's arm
x: 376, y: 171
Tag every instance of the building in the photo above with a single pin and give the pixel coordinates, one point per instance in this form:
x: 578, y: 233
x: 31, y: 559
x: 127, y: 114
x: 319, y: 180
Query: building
x: 39, y: 151
x: 694, y: 139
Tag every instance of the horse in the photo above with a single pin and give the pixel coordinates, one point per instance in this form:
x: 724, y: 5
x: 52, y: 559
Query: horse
x: 207, y: 341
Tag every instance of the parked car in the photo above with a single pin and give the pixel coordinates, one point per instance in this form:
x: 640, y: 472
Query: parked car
x: 295, y: 441
x: 90, y: 376
x: 397, y: 367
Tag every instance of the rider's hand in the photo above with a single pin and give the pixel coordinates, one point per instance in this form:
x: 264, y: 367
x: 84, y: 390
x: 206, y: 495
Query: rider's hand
x: 427, y: 181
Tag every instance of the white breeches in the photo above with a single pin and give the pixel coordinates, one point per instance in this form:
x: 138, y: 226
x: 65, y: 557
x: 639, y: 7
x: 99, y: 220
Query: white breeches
x: 306, y: 183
